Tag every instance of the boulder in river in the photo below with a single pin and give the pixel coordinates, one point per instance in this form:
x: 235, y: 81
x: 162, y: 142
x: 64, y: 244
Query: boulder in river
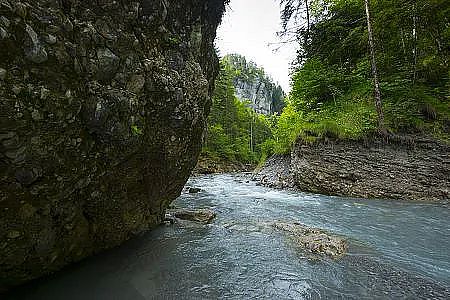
x: 204, y: 216
x: 314, y: 240
x: 194, y: 190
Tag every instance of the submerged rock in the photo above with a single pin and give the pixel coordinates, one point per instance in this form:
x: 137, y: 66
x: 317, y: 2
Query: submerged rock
x: 314, y: 240
x: 204, y: 216
x: 103, y: 106
x: 194, y: 190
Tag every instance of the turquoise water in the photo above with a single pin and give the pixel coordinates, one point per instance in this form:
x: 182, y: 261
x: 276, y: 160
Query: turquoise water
x: 398, y: 250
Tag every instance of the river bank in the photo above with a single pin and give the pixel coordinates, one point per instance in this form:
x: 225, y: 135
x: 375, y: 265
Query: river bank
x: 207, y: 164
x: 401, y: 168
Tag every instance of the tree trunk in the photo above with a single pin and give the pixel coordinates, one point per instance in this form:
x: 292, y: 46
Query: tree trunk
x: 251, y: 133
x: 376, y: 83
x: 308, y: 22
x: 415, y: 44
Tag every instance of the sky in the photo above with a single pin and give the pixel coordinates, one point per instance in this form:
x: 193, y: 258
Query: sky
x: 248, y: 28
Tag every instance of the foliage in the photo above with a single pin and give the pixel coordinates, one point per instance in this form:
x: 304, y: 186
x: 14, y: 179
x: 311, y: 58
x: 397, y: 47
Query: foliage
x: 332, y: 84
x: 235, y: 131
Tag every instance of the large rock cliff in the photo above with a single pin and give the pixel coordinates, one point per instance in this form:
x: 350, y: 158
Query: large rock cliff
x: 401, y: 168
x: 102, y: 109
x: 253, y: 85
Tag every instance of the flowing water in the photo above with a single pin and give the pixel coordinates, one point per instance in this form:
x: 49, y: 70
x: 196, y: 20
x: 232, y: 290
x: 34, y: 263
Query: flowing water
x: 398, y: 250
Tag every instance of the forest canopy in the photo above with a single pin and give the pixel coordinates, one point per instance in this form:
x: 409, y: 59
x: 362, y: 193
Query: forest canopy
x: 332, y: 84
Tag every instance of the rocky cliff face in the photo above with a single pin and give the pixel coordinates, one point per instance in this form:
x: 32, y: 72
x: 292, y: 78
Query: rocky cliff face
x: 102, y: 110
x: 253, y: 85
x: 399, y: 169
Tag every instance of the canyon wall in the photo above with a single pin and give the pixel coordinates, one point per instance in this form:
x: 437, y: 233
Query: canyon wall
x: 102, y: 110
x: 406, y: 168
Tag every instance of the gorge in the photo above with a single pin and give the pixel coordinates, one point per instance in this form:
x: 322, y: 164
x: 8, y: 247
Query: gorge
x: 106, y: 107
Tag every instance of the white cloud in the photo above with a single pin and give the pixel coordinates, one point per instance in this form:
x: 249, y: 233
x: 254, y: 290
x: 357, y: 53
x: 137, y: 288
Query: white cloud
x: 248, y: 28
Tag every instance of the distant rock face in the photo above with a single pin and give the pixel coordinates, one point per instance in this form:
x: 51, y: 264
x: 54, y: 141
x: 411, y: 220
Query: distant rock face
x: 253, y: 85
x: 102, y: 111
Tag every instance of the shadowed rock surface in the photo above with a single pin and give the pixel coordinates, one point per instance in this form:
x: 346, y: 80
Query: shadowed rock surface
x: 102, y: 110
x: 314, y: 240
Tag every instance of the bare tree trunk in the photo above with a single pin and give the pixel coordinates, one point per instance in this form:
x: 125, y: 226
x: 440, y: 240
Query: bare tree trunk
x: 376, y: 83
x: 308, y: 22
x: 415, y: 44
x: 251, y: 133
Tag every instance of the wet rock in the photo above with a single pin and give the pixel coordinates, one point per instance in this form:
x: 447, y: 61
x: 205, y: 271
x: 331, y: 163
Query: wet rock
x: 194, y: 190
x: 204, y: 216
x: 314, y: 240
x: 168, y: 218
x: 34, y: 51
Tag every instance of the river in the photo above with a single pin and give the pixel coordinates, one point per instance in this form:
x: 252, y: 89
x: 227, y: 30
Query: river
x: 397, y: 250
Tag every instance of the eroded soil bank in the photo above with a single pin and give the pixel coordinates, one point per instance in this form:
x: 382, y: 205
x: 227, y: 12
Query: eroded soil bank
x: 407, y: 168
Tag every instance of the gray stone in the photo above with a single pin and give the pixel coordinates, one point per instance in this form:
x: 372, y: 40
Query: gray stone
x: 34, y: 51
x: 4, y: 34
x: 6, y: 23
x: 194, y: 190
x: 108, y: 64
x: 107, y: 167
x: 50, y: 39
x: 313, y: 240
x: 2, y: 74
x: 204, y: 216
x: 136, y: 83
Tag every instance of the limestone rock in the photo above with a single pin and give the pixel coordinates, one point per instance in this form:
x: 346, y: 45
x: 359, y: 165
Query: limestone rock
x: 108, y: 63
x: 204, y: 216
x: 252, y: 84
x: 34, y: 50
x: 314, y: 240
x: 94, y: 94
